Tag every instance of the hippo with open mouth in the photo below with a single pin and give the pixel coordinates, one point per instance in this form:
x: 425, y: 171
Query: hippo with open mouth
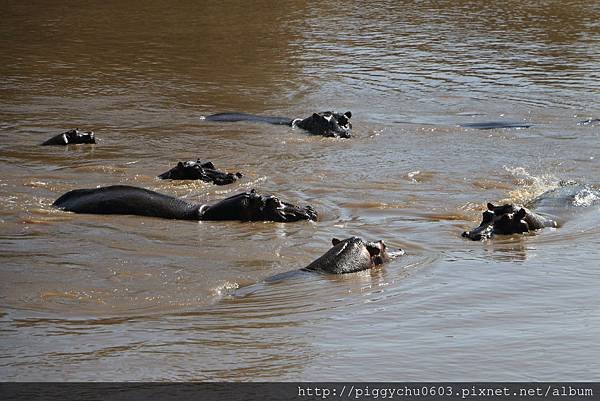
x: 123, y: 199
x: 71, y: 137
x: 196, y: 170
x: 327, y: 123
x: 352, y: 255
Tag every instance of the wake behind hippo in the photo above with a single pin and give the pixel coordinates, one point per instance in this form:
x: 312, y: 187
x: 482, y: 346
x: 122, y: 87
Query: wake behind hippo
x: 327, y: 123
x: 127, y: 200
x: 514, y: 219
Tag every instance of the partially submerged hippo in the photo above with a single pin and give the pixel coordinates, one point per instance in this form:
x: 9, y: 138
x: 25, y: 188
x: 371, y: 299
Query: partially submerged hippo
x: 590, y: 121
x: 496, y: 124
x: 353, y: 255
x: 196, y: 170
x: 508, y: 219
x: 512, y: 219
x: 71, y: 137
x: 122, y: 199
x: 327, y: 123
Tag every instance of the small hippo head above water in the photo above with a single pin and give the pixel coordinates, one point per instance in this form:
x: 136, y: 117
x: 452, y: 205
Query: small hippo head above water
x: 250, y: 206
x: 71, y: 137
x: 196, y: 170
x: 352, y: 255
x: 507, y: 219
x: 327, y: 123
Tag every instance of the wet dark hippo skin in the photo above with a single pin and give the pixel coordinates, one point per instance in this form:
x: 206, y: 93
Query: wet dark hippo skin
x: 496, y: 125
x: 590, y: 121
x: 197, y: 170
x: 127, y: 200
x: 507, y: 219
x: 352, y: 255
x: 539, y: 213
x: 327, y: 123
x: 71, y: 137
x: 345, y: 256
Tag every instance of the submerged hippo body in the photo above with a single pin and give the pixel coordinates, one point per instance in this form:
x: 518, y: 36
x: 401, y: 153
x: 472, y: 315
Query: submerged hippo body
x: 352, y: 255
x: 196, y: 170
x: 71, y: 137
x: 496, y: 124
x: 122, y: 199
x: 513, y: 219
x: 327, y: 123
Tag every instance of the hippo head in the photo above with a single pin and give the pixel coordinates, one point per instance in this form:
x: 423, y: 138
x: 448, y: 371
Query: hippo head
x: 71, y: 137
x: 196, y: 170
x: 250, y: 206
x: 352, y: 255
x: 327, y: 123
x: 505, y: 219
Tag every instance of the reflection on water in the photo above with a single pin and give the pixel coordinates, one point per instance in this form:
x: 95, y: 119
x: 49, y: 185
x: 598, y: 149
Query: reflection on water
x: 86, y: 297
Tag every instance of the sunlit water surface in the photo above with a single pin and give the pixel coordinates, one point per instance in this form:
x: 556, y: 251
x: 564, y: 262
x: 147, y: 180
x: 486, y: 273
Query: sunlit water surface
x: 86, y: 297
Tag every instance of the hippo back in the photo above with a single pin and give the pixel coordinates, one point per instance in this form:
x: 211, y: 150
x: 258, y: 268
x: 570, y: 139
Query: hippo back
x: 123, y: 199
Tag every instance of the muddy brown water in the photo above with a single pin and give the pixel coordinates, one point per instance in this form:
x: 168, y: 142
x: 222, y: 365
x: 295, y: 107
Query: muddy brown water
x: 86, y: 297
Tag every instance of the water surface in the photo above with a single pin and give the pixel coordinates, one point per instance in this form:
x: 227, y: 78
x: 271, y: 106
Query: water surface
x: 86, y: 297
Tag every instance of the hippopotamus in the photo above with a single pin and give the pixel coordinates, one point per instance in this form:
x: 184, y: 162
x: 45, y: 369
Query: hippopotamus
x: 352, y: 255
x: 513, y: 219
x: 496, y: 124
x: 508, y: 219
x: 590, y: 121
x: 196, y: 170
x: 71, y: 137
x: 327, y: 123
x: 123, y: 199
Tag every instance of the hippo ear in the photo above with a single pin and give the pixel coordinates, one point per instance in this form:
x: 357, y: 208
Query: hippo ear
x: 520, y: 215
x: 180, y: 165
x: 348, y: 114
x: 491, y: 206
x: 335, y: 241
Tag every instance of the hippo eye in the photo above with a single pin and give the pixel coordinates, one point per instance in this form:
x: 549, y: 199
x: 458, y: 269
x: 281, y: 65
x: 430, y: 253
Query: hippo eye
x: 373, y: 249
x: 487, y: 216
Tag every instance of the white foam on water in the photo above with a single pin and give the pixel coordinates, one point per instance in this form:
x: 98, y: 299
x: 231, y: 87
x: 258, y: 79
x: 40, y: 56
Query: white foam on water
x: 528, y: 185
x: 585, y: 198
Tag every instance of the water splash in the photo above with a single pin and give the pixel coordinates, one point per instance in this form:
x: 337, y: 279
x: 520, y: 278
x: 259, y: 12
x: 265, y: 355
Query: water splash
x: 586, y: 197
x: 530, y: 186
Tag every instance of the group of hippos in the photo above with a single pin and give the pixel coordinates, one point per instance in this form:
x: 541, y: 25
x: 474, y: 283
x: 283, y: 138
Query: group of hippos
x: 346, y: 256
